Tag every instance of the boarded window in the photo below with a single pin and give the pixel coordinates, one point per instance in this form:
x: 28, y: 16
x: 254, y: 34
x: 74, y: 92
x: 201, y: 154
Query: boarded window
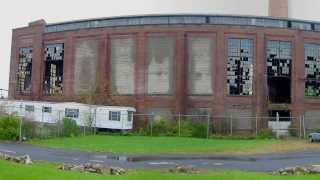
x: 24, y: 84
x: 71, y: 113
x: 160, y: 65
x: 114, y: 115
x: 312, y: 70
x: 86, y: 55
x: 200, y: 65
x: 123, y: 53
x: 53, y: 75
x: 240, y: 66
x: 241, y: 119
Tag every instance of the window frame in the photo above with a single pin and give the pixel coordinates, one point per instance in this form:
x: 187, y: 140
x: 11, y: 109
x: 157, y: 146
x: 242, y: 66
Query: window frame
x: 46, y: 109
x: 74, y: 111
x: 112, y: 115
x: 29, y: 108
x: 130, y: 116
x: 245, y: 43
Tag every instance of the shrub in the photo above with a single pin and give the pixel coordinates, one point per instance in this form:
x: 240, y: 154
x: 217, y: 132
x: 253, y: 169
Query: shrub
x: 266, y: 133
x: 199, y: 130
x: 293, y: 130
x: 9, y: 128
x: 69, y: 128
x: 186, y: 128
x: 160, y: 127
x: 29, y: 129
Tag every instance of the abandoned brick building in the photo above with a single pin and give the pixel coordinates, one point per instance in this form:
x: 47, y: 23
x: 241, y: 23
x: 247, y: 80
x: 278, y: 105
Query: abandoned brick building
x: 165, y: 64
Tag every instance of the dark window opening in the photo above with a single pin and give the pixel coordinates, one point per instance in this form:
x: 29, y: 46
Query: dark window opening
x: 71, y: 113
x: 24, y: 84
x: 279, y: 90
x: 284, y: 115
x: 46, y: 109
x: 240, y: 67
x: 312, y: 70
x: 53, y: 76
x: 279, y: 63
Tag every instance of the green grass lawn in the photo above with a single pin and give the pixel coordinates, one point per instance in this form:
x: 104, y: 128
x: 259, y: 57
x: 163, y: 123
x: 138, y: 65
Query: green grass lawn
x: 40, y: 171
x: 172, y: 145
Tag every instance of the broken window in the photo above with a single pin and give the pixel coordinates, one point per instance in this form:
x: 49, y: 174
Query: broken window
x: 283, y: 115
x: 24, y: 85
x: 279, y: 62
x: 240, y: 67
x: 53, y: 78
x: 312, y: 70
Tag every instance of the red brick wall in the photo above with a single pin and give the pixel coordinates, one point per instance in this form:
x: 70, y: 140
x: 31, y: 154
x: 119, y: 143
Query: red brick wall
x: 179, y: 102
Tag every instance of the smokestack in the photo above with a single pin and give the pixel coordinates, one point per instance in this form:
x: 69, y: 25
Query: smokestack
x: 278, y: 8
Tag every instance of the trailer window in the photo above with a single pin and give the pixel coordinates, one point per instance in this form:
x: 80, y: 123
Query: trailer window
x: 130, y: 116
x: 114, y: 115
x: 71, y: 113
x: 47, y: 109
x: 29, y: 108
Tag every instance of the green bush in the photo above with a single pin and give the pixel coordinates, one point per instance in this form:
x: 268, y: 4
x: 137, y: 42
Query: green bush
x: 199, y: 130
x: 29, y: 129
x: 266, y: 133
x: 186, y: 128
x: 160, y: 127
x: 70, y: 128
x: 165, y: 127
x: 9, y: 128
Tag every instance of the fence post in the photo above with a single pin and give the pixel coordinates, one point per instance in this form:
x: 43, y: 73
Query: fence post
x: 208, y: 126
x: 20, y: 130
x: 300, y: 126
x: 304, y: 127
x: 59, y: 121
x: 179, y: 124
x: 256, y: 125
x: 151, y: 123
x: 278, y: 125
x: 231, y: 131
x: 20, y: 125
x: 95, y: 121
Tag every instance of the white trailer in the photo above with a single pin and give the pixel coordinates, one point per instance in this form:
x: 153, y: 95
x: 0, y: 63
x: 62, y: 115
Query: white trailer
x: 107, y: 117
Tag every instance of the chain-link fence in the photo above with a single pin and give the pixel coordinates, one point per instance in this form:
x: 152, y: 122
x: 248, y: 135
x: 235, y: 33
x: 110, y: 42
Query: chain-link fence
x: 49, y: 123
x: 207, y: 125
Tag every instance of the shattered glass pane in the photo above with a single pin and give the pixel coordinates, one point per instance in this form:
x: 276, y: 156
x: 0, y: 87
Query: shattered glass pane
x: 279, y: 59
x: 53, y: 79
x: 24, y: 85
x: 240, y: 67
x: 312, y: 70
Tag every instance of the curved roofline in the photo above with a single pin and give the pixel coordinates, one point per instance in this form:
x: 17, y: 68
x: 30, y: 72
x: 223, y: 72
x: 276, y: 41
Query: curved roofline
x: 170, y: 19
x: 181, y: 15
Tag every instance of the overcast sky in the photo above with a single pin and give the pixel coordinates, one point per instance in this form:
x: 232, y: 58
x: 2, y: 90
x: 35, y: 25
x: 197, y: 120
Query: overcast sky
x: 17, y: 13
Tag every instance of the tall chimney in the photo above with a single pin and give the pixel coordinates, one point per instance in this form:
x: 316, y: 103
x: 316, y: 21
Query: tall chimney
x: 278, y: 8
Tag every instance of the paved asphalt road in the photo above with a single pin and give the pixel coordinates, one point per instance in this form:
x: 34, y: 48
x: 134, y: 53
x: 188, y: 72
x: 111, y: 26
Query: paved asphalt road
x: 262, y: 163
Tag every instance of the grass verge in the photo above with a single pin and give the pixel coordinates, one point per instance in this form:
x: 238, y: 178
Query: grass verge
x: 174, y: 145
x: 40, y: 171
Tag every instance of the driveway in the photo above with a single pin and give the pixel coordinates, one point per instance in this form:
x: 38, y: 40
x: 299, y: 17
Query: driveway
x: 260, y: 163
